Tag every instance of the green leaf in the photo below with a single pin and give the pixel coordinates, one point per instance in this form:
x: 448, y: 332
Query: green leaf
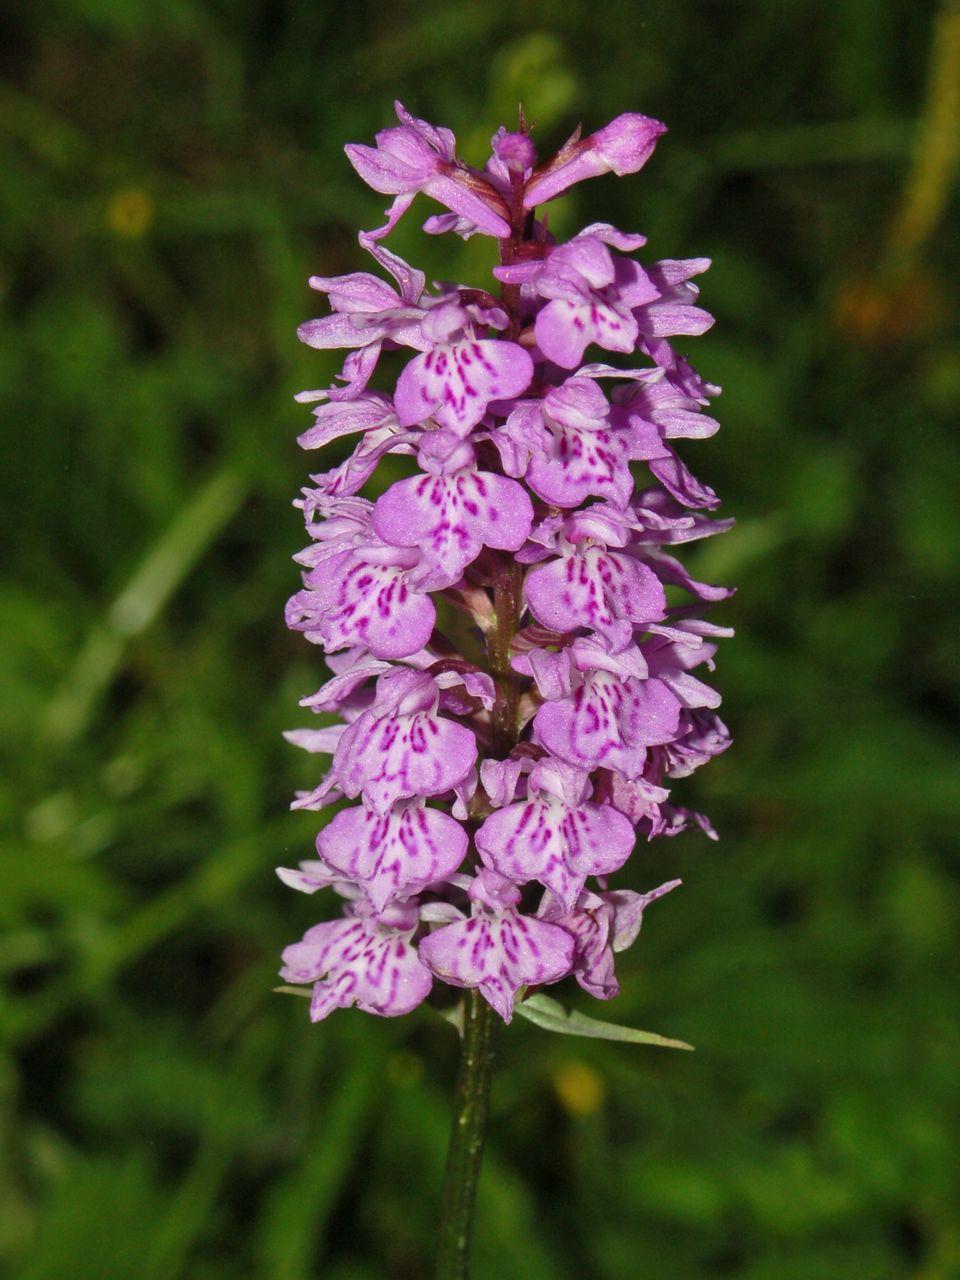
x: 293, y: 991
x: 551, y: 1016
x: 453, y: 1015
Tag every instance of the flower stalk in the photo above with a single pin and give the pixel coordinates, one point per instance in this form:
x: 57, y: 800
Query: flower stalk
x: 467, y: 1134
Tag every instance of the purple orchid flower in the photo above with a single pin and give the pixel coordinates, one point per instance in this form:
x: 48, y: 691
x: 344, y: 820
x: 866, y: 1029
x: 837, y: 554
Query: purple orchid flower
x: 494, y: 777
x: 556, y: 836
x: 414, y: 157
x: 400, y: 747
x: 623, y: 146
x: 499, y: 949
x: 452, y: 511
x: 460, y: 374
x: 363, y: 961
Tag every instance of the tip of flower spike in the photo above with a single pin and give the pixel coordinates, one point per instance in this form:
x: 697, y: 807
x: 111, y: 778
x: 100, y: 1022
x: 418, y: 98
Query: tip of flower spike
x: 515, y: 150
x: 621, y: 147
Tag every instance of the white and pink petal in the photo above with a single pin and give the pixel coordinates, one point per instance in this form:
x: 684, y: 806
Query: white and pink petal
x: 358, y: 961
x: 355, y: 602
x: 455, y: 382
x: 452, y: 517
x: 499, y: 955
x: 392, y: 855
x: 556, y: 844
x: 608, y: 722
x: 594, y: 588
x: 400, y: 748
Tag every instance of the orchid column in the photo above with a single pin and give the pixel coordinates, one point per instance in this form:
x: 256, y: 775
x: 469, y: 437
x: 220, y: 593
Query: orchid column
x: 497, y: 789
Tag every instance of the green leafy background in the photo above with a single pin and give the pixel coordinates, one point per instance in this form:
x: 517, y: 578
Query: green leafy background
x: 171, y: 175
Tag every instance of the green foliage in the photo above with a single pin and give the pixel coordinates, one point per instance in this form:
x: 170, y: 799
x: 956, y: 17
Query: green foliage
x: 171, y: 176
x: 552, y: 1016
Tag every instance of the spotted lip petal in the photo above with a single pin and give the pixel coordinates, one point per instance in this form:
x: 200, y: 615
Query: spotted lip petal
x: 358, y: 962
x: 351, y: 601
x: 455, y: 382
x: 393, y: 855
x: 591, y: 299
x: 498, y: 955
x: 452, y: 517
x: 577, y: 466
x: 401, y: 748
x: 609, y: 722
x: 596, y: 588
x: 578, y: 445
x: 555, y: 843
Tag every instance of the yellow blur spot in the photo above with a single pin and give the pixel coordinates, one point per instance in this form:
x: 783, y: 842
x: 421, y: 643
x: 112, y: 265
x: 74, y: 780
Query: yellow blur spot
x: 130, y: 212
x: 579, y: 1088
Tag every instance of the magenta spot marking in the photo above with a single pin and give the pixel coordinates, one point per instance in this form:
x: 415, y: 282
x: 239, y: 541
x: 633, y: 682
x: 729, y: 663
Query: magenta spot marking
x: 508, y: 943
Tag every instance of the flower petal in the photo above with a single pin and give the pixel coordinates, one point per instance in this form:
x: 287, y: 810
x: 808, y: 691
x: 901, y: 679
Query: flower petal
x: 499, y: 955
x: 393, y: 855
x: 358, y: 962
x: 353, y: 602
x: 556, y: 844
x: 608, y: 722
x: 451, y: 518
x: 454, y: 383
x: 390, y: 753
x: 594, y: 588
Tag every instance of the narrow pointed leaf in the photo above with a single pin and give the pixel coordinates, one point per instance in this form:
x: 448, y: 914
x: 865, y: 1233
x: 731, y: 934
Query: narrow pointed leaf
x: 551, y: 1016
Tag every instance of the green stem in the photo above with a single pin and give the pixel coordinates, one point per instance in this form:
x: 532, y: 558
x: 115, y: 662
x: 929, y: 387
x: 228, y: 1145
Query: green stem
x: 465, y: 1153
x: 507, y: 602
x: 472, y: 1097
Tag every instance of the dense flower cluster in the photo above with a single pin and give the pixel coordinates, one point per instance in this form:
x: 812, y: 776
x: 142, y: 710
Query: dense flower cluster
x: 499, y: 783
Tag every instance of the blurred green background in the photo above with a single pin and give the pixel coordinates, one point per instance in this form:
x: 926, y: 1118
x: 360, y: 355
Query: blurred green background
x: 172, y: 174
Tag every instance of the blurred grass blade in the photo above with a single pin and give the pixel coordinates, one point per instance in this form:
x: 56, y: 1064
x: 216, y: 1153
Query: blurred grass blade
x: 551, y: 1016
x: 161, y: 571
x: 298, y: 1208
x: 187, y: 1212
x: 936, y: 152
x: 840, y: 142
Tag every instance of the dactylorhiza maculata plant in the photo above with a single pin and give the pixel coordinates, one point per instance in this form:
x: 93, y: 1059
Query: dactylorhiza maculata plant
x: 497, y: 786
